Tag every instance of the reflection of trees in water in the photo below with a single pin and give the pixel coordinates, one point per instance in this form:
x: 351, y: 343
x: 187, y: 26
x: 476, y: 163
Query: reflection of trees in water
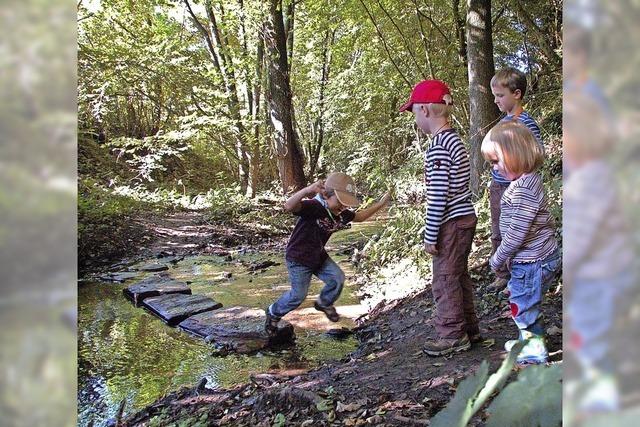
x: 38, y: 374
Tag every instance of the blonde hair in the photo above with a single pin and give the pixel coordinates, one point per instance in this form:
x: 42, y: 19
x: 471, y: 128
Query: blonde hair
x: 511, y: 78
x: 515, y: 145
x: 442, y: 110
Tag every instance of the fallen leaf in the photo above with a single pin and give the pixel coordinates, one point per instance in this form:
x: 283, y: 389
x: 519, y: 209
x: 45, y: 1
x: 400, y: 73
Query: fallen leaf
x: 488, y: 342
x: 341, y: 407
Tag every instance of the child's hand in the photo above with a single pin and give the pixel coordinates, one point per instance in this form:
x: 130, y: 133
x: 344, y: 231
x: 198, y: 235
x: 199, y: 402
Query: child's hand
x: 431, y: 249
x: 316, y: 187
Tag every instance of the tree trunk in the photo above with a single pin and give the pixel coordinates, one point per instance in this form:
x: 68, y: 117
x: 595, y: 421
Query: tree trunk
x: 255, y: 163
x: 318, y: 135
x: 289, y: 21
x: 462, y: 43
x: 221, y: 58
x: 482, y: 109
x: 290, y: 159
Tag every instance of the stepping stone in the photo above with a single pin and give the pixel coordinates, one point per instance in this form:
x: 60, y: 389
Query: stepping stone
x: 154, y: 286
x: 261, y: 265
x: 237, y: 330
x: 154, y: 267
x: 172, y: 259
x: 174, y: 308
x: 119, y: 276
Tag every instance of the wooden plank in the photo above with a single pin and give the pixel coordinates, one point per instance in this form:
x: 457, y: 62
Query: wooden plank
x: 174, y: 308
x: 237, y: 330
x: 154, y: 286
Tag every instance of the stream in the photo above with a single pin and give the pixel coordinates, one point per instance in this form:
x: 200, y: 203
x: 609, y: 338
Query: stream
x: 126, y: 353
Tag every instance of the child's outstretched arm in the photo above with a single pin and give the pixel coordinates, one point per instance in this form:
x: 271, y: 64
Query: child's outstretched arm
x: 293, y: 204
x: 364, y: 214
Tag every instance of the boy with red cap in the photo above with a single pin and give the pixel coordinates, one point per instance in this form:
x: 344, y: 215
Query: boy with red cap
x: 451, y: 219
x: 322, y: 212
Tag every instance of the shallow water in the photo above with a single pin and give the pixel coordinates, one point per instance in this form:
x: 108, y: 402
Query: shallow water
x: 124, y: 352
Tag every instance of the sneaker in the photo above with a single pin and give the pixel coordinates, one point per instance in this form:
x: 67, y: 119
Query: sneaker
x: 498, y: 285
x: 601, y: 395
x: 271, y: 324
x: 442, y: 346
x: 534, y: 352
x: 509, y: 344
x: 329, y: 311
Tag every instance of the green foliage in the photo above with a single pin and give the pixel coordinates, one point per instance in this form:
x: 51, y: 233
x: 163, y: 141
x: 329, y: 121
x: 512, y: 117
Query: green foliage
x: 474, y: 391
x: 535, y: 399
x: 105, y: 223
x: 279, y: 420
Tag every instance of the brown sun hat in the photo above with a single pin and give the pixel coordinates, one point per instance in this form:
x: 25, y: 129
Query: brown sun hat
x: 344, y: 187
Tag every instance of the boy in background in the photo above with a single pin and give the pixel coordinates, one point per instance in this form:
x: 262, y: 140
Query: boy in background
x: 508, y: 86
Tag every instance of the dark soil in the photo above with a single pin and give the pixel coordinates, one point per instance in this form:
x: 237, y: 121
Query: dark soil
x: 388, y: 380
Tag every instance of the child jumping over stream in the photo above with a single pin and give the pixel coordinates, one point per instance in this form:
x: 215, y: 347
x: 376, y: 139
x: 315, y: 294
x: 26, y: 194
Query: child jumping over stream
x: 528, y: 247
x: 322, y: 210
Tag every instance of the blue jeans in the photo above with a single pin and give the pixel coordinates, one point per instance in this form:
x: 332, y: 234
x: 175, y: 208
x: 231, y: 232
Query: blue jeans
x: 592, y: 309
x: 528, y: 284
x: 300, y: 277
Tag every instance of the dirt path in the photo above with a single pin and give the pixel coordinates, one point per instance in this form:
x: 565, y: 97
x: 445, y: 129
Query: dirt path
x: 387, y: 381
x: 189, y: 232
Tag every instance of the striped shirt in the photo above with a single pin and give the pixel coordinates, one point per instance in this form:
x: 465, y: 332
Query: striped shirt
x: 596, y: 237
x: 447, y: 172
x: 526, y: 226
x: 531, y: 124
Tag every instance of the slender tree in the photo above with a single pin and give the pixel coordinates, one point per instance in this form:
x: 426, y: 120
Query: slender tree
x: 290, y: 158
x: 482, y: 110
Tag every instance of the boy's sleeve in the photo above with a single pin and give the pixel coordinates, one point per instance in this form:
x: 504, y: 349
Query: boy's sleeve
x: 310, y: 208
x: 347, y: 216
x: 436, y: 173
x: 531, y: 124
x: 523, y: 215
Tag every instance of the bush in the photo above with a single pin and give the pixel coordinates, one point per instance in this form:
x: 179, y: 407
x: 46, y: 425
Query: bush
x: 106, y: 230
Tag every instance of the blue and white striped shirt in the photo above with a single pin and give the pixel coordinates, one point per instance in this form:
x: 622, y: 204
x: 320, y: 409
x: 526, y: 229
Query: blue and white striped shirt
x: 531, y: 124
x: 447, y: 172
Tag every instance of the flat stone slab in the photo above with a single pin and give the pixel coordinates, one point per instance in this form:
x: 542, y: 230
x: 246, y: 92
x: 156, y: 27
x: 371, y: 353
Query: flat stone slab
x: 255, y: 266
x: 237, y: 330
x: 174, y: 308
x: 154, y: 286
x: 154, y: 267
x: 119, y: 276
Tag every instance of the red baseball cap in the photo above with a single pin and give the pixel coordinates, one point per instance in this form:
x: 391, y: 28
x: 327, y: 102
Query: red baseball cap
x: 429, y: 92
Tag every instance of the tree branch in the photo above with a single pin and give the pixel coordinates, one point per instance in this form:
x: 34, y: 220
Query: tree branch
x: 553, y: 58
x: 404, y: 40
x: 207, y: 38
x: 384, y: 44
x: 424, y: 41
x: 428, y: 18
